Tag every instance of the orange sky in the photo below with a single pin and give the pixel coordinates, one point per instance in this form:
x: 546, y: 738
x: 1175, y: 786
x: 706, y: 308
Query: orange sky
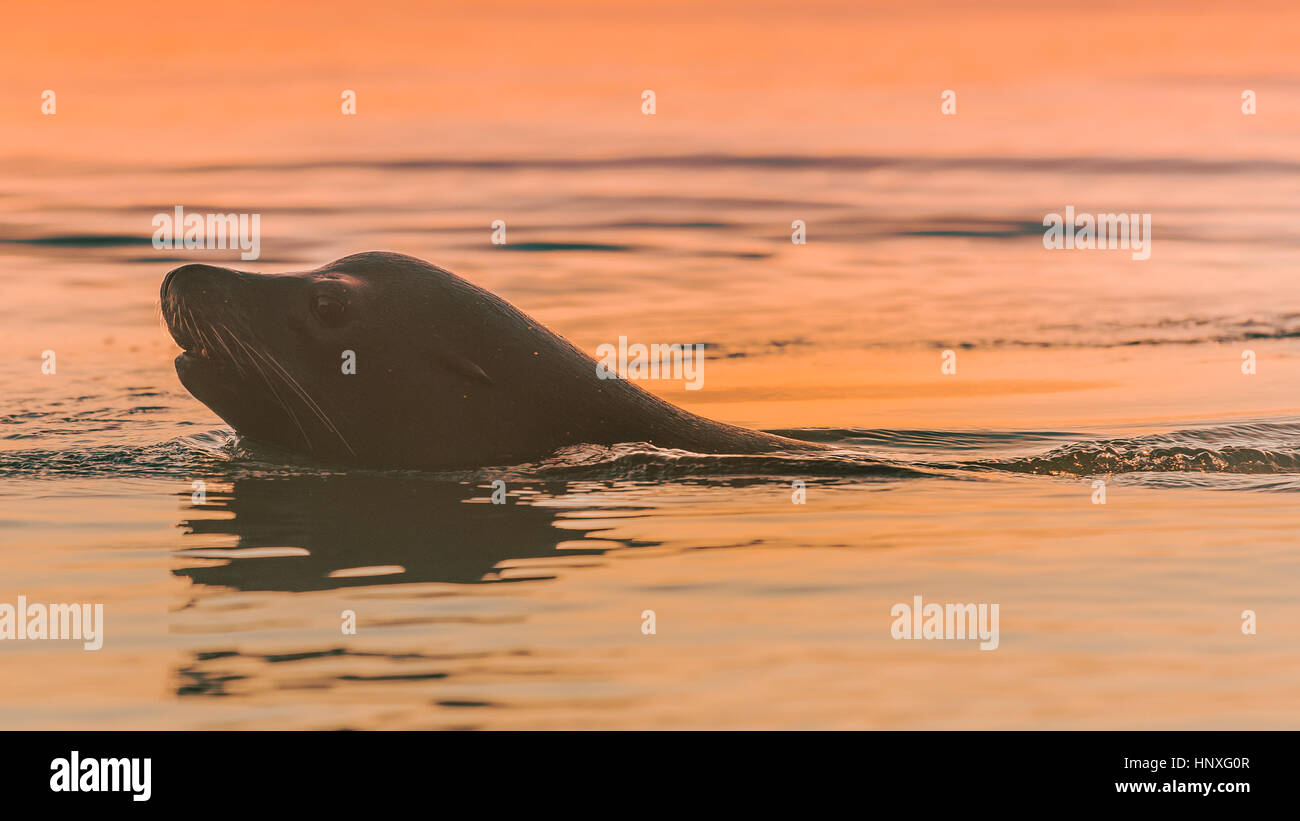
x: 166, y: 79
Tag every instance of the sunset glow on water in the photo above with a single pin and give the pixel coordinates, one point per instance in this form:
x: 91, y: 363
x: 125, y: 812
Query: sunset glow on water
x: 924, y: 245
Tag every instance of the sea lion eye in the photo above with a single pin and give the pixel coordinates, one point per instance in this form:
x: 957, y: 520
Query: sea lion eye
x: 328, y: 309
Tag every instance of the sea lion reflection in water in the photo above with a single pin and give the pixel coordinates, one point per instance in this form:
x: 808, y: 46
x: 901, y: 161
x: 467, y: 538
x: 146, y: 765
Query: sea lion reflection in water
x: 447, y: 374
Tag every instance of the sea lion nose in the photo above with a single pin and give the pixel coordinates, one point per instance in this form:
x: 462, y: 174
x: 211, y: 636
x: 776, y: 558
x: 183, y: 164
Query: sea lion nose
x: 187, y: 278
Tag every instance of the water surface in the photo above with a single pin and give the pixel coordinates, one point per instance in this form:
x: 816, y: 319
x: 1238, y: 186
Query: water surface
x: 924, y: 236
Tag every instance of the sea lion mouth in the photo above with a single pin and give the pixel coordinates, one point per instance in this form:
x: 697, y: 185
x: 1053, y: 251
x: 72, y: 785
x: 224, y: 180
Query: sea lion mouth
x: 208, y: 366
x: 194, y: 352
x: 202, y: 344
x: 196, y: 338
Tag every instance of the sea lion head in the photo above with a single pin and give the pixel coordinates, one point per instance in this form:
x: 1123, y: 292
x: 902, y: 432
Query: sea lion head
x: 376, y: 358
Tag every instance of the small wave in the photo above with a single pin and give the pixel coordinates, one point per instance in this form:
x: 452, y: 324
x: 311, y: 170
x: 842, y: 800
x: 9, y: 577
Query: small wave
x: 165, y: 460
x: 219, y: 452
x: 1246, y: 448
x: 1111, y: 458
x: 905, y: 439
x: 1256, y: 449
x: 639, y: 461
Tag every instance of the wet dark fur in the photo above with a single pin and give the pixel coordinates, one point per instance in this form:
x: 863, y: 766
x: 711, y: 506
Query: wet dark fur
x: 448, y: 374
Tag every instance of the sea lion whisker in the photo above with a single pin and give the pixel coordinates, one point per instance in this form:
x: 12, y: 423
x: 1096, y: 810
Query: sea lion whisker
x: 188, y: 323
x: 302, y: 393
x: 234, y: 360
x: 208, y: 348
x: 269, y: 378
x: 307, y: 398
x: 278, y: 398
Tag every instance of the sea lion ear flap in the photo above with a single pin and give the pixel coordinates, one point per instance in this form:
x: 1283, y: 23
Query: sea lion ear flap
x: 458, y: 364
x: 467, y: 368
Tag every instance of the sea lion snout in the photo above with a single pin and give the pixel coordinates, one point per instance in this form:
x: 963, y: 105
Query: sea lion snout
x: 195, y: 281
x: 195, y: 273
x: 195, y: 295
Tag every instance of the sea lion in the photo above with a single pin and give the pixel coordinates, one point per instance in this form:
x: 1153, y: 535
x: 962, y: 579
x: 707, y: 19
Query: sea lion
x: 447, y: 375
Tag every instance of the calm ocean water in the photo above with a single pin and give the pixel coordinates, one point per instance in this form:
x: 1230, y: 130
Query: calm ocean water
x: 1072, y: 368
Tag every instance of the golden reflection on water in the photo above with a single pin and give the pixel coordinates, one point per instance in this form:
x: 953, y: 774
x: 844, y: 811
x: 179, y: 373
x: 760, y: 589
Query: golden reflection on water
x: 923, y: 237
